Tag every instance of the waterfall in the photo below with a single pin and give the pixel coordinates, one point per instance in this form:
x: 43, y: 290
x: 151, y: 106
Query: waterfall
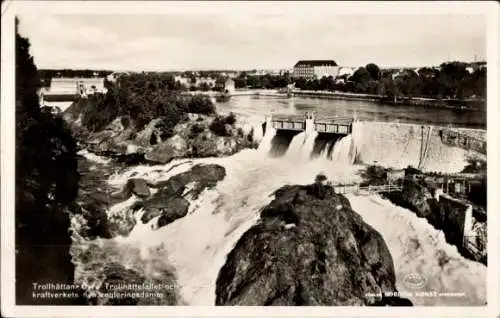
x: 295, y: 148
x: 343, y: 151
x: 265, y: 144
x: 308, y: 146
x: 325, y: 153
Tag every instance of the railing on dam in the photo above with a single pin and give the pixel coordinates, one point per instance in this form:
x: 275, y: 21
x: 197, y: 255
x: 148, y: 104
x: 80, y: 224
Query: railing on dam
x: 333, y: 125
x: 366, y: 190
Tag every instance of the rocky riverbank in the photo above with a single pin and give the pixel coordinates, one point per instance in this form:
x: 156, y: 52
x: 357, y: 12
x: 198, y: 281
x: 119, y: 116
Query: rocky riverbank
x: 448, y: 211
x: 447, y: 214
x: 104, y: 215
x: 165, y: 200
x: 194, y: 136
x: 309, y: 248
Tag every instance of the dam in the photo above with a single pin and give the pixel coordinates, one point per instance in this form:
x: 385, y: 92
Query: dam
x: 390, y: 144
x: 309, y: 122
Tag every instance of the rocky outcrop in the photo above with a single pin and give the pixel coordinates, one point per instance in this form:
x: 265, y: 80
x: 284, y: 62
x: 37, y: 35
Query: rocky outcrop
x: 122, y: 279
x: 309, y: 248
x: 156, y: 142
x: 115, y: 139
x: 193, y: 138
x: 418, y: 198
x: 174, y: 147
x: 170, y: 202
x: 136, y: 186
x: 443, y: 212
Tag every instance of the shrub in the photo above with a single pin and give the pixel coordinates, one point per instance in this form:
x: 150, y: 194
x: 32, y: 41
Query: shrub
x: 250, y: 136
x: 218, y: 126
x: 196, y: 129
x: 240, y: 132
x: 374, y: 175
x: 231, y: 119
x: 201, y: 104
x: 410, y: 170
x: 219, y: 123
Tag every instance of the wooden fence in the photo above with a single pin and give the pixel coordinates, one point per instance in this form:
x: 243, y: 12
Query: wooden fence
x: 367, y: 190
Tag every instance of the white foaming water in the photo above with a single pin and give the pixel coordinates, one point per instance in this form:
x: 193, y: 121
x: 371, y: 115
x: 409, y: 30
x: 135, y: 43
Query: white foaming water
x: 296, y: 146
x: 197, y: 244
x: 151, y: 174
x: 265, y: 145
x: 195, y: 247
x: 324, y: 152
x: 308, y: 145
x: 417, y: 248
x: 343, y: 151
x: 94, y: 158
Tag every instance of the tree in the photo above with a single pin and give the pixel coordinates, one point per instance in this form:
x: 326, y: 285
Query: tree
x: 361, y: 76
x: 327, y: 83
x: 374, y: 71
x: 300, y: 83
x: 46, y: 186
x: 409, y: 83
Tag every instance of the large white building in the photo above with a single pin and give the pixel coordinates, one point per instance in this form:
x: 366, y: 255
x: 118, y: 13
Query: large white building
x: 315, y: 69
x: 70, y: 86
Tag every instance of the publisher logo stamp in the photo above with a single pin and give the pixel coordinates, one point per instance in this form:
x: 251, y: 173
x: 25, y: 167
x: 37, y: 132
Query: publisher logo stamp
x: 414, y: 281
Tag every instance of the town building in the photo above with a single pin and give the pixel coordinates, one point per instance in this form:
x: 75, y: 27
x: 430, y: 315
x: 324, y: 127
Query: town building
x: 182, y: 80
x: 205, y: 81
x: 315, y: 69
x: 229, y: 86
x: 346, y: 71
x: 71, y: 87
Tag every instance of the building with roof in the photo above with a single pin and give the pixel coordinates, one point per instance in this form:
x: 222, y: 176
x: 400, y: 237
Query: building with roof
x: 315, y: 69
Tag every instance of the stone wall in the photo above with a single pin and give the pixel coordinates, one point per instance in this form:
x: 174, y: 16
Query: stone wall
x: 453, y: 213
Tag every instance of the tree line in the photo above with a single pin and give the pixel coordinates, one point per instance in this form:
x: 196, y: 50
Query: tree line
x: 449, y: 81
x: 143, y: 97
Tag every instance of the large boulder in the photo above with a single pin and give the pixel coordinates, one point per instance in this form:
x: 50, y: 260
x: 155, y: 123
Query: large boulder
x: 309, y: 248
x: 136, y: 186
x: 170, y: 209
x: 204, y: 145
x: 416, y: 196
x: 114, y: 139
x: 155, y: 132
x: 173, y: 147
x: 170, y: 202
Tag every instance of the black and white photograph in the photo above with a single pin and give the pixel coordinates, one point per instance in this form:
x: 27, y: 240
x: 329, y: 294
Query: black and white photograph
x: 228, y: 154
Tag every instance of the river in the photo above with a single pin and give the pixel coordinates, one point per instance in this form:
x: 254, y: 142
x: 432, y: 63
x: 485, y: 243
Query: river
x: 194, y: 247
x: 363, y: 110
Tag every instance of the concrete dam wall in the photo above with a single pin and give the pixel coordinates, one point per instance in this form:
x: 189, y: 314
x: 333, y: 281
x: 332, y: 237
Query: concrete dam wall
x: 400, y: 145
x: 453, y: 213
x: 393, y: 145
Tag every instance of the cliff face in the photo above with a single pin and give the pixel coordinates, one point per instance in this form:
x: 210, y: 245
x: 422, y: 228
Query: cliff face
x: 446, y: 213
x: 310, y: 248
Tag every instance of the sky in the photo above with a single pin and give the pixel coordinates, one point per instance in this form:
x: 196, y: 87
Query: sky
x: 254, y: 40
